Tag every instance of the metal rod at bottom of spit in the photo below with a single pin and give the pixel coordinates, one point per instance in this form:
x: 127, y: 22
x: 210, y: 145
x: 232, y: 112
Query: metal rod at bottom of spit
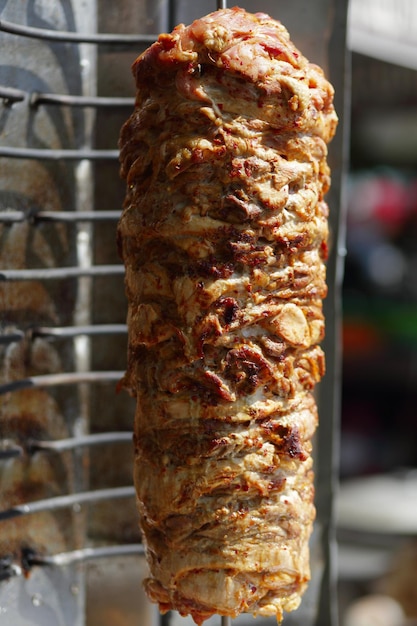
x: 226, y: 621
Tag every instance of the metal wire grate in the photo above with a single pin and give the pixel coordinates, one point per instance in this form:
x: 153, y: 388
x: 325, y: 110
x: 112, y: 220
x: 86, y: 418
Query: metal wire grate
x: 22, y: 449
x: 75, y: 164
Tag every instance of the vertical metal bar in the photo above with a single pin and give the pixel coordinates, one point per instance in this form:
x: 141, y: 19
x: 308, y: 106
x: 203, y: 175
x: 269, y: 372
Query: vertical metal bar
x: 222, y: 4
x: 226, y: 621
x: 165, y: 620
x: 84, y: 199
x: 327, y: 470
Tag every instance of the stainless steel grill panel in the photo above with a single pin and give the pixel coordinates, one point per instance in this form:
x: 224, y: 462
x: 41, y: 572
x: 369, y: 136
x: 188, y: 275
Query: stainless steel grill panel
x: 67, y: 516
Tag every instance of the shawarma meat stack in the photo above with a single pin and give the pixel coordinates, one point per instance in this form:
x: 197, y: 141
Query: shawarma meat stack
x: 224, y: 240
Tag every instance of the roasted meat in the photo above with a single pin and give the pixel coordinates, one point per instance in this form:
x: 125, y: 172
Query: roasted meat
x: 224, y: 239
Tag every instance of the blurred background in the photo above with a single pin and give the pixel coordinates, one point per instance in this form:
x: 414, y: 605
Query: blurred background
x: 380, y: 287
x: 377, y: 507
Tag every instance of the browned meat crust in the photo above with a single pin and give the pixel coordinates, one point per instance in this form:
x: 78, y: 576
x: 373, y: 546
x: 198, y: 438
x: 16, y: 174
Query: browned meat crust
x: 223, y: 236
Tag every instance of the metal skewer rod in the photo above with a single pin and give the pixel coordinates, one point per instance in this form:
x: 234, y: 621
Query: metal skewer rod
x: 226, y: 621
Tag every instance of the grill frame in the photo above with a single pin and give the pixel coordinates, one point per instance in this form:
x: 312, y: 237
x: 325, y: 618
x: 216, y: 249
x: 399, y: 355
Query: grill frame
x: 329, y: 389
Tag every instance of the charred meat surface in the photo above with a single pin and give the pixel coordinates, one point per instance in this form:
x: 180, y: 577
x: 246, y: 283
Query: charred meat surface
x: 224, y: 239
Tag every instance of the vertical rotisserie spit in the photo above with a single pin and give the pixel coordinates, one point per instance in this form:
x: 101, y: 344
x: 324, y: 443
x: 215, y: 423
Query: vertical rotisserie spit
x: 224, y: 238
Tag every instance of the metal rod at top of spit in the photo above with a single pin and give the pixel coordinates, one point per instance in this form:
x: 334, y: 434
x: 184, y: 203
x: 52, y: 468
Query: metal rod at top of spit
x: 222, y: 4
